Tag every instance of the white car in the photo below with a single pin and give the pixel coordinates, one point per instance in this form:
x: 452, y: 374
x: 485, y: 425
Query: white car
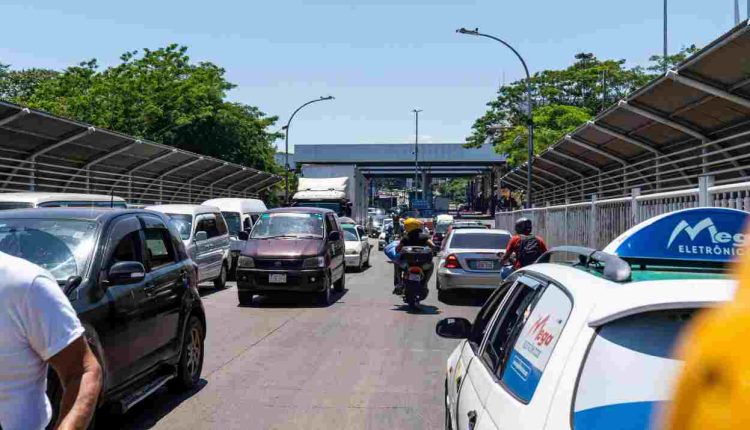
x: 587, y: 343
x: 357, y: 246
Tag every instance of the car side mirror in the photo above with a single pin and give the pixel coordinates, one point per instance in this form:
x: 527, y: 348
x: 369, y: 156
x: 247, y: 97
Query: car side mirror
x: 243, y: 235
x: 334, y: 236
x: 126, y: 272
x: 453, y: 328
x: 200, y: 236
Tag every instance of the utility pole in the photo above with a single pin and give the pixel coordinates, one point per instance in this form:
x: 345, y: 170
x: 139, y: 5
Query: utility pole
x: 416, y: 150
x: 664, y: 58
x: 736, y: 12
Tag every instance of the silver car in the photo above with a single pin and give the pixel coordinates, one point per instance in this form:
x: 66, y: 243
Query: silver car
x: 469, y: 260
x: 204, y: 232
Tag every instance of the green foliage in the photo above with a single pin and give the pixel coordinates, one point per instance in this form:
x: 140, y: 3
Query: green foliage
x: 660, y: 63
x: 161, y: 95
x: 455, y: 189
x: 18, y: 85
x: 562, y: 99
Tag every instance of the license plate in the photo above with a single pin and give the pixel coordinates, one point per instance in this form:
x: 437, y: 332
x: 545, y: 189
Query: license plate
x: 485, y: 265
x: 277, y: 278
x: 414, y: 277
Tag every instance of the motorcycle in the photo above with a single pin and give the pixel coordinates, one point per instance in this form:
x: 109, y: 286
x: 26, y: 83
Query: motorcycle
x: 416, y: 263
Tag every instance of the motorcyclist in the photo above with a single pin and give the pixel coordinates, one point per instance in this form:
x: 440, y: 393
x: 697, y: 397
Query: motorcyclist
x: 525, y: 247
x: 413, y: 236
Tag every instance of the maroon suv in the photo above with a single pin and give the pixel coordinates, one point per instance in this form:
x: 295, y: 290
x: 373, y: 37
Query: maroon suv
x: 297, y: 249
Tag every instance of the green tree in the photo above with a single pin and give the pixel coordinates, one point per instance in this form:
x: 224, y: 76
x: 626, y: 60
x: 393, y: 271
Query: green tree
x: 562, y: 100
x: 18, y: 85
x: 659, y: 63
x: 161, y: 95
x: 455, y: 189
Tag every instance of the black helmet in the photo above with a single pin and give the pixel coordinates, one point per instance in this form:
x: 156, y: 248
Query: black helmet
x: 523, y: 226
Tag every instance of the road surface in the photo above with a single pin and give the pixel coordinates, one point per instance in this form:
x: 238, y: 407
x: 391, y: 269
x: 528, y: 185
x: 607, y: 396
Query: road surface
x: 364, y: 362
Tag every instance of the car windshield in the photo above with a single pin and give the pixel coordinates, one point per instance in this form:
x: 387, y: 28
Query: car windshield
x: 289, y: 224
x: 350, y: 232
x: 442, y: 227
x: 645, y: 371
x: 480, y: 241
x: 62, y: 246
x: 234, y: 222
x: 183, y: 223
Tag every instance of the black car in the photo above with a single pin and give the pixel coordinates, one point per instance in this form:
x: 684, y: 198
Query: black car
x: 133, y: 286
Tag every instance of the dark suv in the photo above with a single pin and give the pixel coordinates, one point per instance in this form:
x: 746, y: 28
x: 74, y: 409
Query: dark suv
x: 129, y: 278
x: 292, y: 250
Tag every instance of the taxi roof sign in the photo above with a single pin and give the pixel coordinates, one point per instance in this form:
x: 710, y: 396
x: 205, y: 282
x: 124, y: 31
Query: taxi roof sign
x: 704, y: 237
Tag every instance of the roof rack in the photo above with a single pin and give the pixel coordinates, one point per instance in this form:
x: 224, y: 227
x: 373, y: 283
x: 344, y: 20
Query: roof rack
x: 615, y: 268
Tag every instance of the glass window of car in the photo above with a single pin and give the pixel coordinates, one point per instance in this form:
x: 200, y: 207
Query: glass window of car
x: 15, y: 205
x: 512, y: 314
x: 480, y: 325
x: 208, y: 224
x: 159, y: 249
x: 124, y: 242
x: 221, y: 224
x: 350, y: 233
x: 627, y: 377
x: 479, y: 240
x: 62, y: 246
x: 183, y: 223
x: 442, y: 227
x: 362, y: 234
x: 233, y: 221
x: 330, y: 224
x: 288, y: 224
x: 534, y: 341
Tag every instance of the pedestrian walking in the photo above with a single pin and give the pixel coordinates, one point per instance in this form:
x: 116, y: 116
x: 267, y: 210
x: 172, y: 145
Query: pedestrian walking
x: 38, y: 327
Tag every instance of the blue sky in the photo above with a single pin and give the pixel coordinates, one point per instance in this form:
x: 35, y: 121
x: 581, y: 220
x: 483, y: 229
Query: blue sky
x: 379, y: 58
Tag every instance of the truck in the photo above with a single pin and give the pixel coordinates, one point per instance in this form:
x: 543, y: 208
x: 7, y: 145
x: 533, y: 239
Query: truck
x: 341, y: 188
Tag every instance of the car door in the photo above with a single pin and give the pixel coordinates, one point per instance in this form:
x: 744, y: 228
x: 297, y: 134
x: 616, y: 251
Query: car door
x: 470, y: 348
x: 166, y: 283
x: 528, y: 373
x: 365, y: 243
x: 480, y: 380
x: 121, y: 331
x: 336, y: 247
x: 202, y: 249
x: 209, y: 255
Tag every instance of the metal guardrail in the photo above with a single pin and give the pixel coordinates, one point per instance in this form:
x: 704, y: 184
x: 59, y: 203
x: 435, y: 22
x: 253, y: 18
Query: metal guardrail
x: 20, y: 176
x: 596, y: 223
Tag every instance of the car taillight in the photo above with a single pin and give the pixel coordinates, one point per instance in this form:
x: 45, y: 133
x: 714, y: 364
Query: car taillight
x: 415, y: 269
x: 451, y: 262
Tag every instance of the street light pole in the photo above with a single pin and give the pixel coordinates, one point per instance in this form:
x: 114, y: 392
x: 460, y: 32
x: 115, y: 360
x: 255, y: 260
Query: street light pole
x: 666, y: 51
x: 416, y: 149
x: 529, y: 106
x: 286, y: 144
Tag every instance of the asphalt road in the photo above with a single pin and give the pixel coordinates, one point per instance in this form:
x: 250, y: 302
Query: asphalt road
x: 365, y: 362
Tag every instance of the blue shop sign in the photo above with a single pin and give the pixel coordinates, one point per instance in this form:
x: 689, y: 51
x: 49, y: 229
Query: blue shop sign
x: 710, y: 235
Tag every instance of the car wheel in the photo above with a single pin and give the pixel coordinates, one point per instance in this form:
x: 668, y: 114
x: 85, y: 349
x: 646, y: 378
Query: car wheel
x: 324, y: 297
x: 191, y: 357
x: 367, y: 262
x: 246, y: 299
x: 361, y: 265
x: 221, y: 281
x: 340, y: 284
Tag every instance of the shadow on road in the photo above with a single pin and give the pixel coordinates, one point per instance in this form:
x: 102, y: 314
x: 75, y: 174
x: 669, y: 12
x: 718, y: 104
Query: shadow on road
x: 423, y: 310
x: 147, y: 414
x: 292, y: 300
x: 206, y: 290
x: 469, y: 298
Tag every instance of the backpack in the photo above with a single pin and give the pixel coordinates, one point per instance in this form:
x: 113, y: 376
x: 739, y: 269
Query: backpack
x: 528, y: 250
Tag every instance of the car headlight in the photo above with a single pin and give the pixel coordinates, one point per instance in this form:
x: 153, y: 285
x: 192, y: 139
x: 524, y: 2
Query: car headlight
x: 245, y: 261
x: 314, y: 263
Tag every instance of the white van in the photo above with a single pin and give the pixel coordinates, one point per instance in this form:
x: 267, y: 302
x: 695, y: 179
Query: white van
x: 59, y: 200
x: 204, y: 233
x: 240, y: 215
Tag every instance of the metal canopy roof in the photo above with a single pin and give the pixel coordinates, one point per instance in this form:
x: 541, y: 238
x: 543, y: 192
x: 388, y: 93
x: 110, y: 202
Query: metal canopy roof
x: 692, y: 121
x: 42, y: 152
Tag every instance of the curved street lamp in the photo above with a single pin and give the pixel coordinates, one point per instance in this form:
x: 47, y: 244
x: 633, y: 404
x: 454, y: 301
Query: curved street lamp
x: 529, y: 106
x: 286, y: 144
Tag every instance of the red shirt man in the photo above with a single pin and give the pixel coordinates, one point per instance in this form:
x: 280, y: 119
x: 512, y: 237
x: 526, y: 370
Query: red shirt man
x: 526, y: 248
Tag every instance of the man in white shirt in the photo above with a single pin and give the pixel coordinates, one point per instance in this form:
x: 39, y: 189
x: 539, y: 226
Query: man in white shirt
x: 38, y: 326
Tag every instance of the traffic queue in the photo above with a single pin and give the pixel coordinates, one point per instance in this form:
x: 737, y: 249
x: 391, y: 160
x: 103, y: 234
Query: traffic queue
x: 586, y: 339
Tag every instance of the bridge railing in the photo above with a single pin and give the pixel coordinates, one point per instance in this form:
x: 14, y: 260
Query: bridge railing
x: 595, y: 223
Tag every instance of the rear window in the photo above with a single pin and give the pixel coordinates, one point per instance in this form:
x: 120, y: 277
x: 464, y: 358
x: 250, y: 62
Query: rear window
x: 15, y: 205
x: 479, y: 241
x: 234, y: 222
x: 629, y: 371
